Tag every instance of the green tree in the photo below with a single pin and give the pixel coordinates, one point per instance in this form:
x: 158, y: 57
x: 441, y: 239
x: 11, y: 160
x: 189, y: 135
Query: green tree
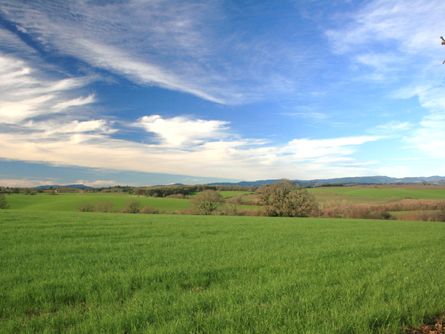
x: 3, y: 202
x: 285, y: 199
x: 207, y: 201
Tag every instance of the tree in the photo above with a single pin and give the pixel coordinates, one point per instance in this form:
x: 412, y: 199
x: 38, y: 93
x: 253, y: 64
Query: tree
x: 3, y: 202
x: 285, y: 199
x: 207, y: 201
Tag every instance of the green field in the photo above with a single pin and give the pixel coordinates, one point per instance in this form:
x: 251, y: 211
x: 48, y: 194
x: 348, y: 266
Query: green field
x: 356, y: 194
x: 116, y: 201
x: 73, y: 202
x: 377, y: 193
x: 67, y: 272
x: 234, y: 193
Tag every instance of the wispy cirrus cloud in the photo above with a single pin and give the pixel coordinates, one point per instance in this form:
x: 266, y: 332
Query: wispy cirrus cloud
x: 167, y: 43
x: 406, y: 51
x: 26, y: 93
x: 42, y: 121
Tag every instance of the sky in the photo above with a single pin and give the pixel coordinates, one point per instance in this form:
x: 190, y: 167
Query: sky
x: 141, y: 92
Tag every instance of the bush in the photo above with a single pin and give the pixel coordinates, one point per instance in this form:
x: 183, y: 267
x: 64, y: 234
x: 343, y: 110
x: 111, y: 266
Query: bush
x: 230, y: 209
x: 132, y: 207
x: 3, y: 202
x: 207, y: 201
x: 103, y: 207
x: 285, y: 199
x: 87, y: 207
x: 362, y: 211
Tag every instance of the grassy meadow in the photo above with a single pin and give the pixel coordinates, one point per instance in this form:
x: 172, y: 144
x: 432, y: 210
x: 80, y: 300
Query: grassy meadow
x: 378, y: 194
x: 117, y: 201
x: 72, y: 272
x: 74, y: 201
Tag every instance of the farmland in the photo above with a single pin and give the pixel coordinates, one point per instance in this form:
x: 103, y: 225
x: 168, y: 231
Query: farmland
x: 78, y: 272
x: 74, y: 202
x: 117, y: 201
x: 378, y: 194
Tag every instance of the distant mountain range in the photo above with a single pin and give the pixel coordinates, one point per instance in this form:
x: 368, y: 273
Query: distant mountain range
x: 345, y: 181
x: 56, y: 186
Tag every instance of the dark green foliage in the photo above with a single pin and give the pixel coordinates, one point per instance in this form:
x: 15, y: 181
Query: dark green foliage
x: 285, y: 199
x: 172, y: 190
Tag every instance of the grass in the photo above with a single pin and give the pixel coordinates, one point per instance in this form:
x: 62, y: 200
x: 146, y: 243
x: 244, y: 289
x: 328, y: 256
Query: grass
x: 65, y: 272
x: 73, y: 202
x: 233, y: 193
x: 366, y: 194
x: 117, y: 201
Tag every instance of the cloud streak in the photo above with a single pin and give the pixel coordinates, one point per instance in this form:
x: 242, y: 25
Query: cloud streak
x: 172, y: 44
x: 404, y: 37
x: 26, y: 93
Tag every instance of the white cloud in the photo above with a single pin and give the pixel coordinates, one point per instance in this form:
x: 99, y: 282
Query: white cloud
x: 392, y: 128
x: 96, y: 183
x: 178, y: 131
x: 177, y: 45
x: 326, y: 149
x: 24, y: 182
x: 31, y: 183
x: 35, y: 130
x: 240, y: 159
x: 411, y: 26
x: 79, y: 101
x: 407, y: 34
x: 430, y: 135
x: 27, y: 93
x: 13, y: 43
x: 57, y: 127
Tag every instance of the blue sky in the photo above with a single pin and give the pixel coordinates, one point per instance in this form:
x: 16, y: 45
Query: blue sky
x: 160, y: 91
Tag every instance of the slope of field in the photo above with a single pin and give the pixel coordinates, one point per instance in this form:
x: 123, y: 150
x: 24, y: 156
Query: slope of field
x: 368, y: 194
x: 234, y: 193
x: 87, y: 273
x: 73, y: 202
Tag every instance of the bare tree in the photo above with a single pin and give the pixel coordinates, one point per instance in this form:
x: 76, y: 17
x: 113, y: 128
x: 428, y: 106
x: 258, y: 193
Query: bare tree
x: 207, y: 201
x: 285, y: 199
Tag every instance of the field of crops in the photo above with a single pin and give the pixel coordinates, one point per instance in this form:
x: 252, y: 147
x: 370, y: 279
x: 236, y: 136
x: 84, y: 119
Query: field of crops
x: 70, y: 272
x: 372, y: 194
x: 73, y: 202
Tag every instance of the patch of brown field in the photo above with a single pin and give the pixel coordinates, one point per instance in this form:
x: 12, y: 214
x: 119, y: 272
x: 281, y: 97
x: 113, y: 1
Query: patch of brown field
x: 413, y: 209
x: 434, y: 327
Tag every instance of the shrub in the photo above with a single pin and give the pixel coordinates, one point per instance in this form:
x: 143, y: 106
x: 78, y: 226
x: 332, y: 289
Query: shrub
x: 364, y: 211
x: 285, y: 199
x: 3, y: 202
x: 132, y: 207
x: 229, y: 209
x: 103, y: 207
x: 87, y: 207
x: 207, y: 201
